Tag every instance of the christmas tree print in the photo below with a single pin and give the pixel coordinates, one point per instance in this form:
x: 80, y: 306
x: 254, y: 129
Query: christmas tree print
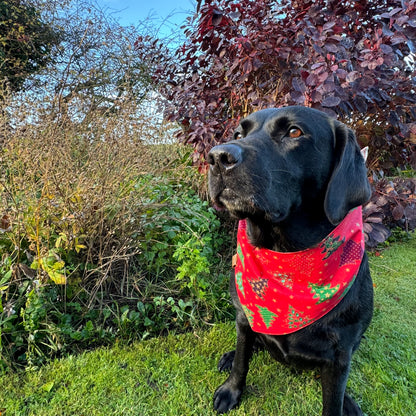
x: 249, y: 314
x: 349, y: 286
x: 259, y: 286
x: 296, y: 320
x: 304, y: 264
x: 330, y: 245
x: 285, y: 280
x: 239, y: 281
x: 323, y: 293
x: 240, y: 254
x: 267, y: 315
x: 352, y: 252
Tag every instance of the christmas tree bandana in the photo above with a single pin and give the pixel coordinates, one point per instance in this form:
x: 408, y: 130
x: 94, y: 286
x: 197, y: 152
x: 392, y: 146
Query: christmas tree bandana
x: 284, y: 292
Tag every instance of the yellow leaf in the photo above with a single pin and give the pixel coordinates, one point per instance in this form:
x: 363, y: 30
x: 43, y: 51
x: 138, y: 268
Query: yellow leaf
x: 58, y: 265
x: 78, y: 247
x: 57, y: 277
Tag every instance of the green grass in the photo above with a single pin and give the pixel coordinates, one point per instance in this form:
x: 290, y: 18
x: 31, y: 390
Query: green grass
x: 177, y: 375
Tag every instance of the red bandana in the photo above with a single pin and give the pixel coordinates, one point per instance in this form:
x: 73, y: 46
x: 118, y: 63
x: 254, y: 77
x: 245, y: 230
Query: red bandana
x: 284, y: 292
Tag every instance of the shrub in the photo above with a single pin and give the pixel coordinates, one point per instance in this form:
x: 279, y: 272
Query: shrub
x: 353, y: 60
x: 392, y: 205
x: 102, y: 237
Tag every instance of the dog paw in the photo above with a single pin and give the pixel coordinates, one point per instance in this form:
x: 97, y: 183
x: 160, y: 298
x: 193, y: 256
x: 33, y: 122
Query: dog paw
x: 226, y: 361
x: 226, y: 398
x: 350, y: 408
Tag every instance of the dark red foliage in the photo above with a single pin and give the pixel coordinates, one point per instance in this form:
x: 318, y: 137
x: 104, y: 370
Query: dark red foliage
x: 392, y: 204
x: 351, y: 59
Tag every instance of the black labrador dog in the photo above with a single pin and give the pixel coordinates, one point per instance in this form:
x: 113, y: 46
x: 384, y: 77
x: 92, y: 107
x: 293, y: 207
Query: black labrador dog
x: 293, y: 174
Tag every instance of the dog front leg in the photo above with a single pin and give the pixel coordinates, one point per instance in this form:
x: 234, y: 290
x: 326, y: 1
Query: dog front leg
x: 227, y: 396
x: 334, y: 378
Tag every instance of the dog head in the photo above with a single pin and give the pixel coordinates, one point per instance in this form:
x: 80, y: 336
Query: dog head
x: 286, y: 160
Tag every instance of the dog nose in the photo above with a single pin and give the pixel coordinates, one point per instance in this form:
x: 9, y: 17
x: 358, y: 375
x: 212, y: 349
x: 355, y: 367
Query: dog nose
x: 225, y: 156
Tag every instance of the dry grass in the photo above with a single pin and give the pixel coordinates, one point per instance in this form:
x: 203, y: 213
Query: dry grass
x: 69, y: 189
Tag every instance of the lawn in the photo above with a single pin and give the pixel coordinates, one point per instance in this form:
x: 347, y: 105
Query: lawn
x: 176, y: 375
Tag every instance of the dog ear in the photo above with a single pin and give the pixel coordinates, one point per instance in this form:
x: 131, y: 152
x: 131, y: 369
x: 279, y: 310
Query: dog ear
x: 348, y: 186
x: 364, y: 153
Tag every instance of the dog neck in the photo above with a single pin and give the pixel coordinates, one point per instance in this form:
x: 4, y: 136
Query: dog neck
x: 296, y: 233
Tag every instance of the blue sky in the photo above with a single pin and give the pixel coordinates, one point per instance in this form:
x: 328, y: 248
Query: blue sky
x: 132, y: 11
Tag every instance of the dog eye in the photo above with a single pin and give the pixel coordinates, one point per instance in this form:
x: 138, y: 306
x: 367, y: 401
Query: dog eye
x: 237, y: 135
x: 294, y: 132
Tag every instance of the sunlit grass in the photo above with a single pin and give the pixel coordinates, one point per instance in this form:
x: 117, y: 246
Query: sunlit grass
x: 176, y: 375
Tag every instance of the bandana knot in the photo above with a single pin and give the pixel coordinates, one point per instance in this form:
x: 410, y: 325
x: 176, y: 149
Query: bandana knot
x: 283, y: 292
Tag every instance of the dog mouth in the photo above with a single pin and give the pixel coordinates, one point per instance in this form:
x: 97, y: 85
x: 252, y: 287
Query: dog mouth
x: 228, y: 200
x: 219, y: 206
x: 242, y: 208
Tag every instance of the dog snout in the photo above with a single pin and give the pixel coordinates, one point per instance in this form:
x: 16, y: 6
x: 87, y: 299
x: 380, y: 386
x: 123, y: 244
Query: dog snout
x: 225, y: 157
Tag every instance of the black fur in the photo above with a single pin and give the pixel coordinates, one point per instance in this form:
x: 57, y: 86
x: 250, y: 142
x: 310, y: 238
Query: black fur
x: 293, y: 192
